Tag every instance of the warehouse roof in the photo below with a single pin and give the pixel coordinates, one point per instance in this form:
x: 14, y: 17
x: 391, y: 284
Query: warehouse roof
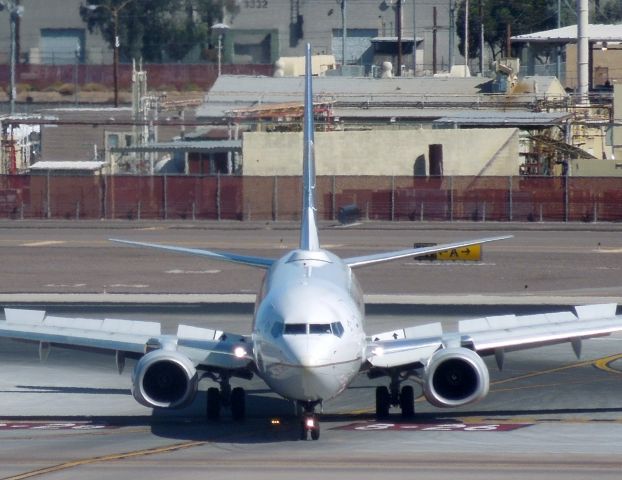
x: 205, y: 146
x: 596, y: 33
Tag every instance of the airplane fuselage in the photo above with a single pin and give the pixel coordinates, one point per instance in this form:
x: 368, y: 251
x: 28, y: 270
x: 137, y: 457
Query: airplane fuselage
x: 308, y: 330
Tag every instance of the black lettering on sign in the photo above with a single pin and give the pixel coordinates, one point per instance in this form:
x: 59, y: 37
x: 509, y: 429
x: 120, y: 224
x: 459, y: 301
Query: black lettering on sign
x: 256, y: 3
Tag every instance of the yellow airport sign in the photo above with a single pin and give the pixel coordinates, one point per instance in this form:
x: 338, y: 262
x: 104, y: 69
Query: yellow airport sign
x: 470, y: 253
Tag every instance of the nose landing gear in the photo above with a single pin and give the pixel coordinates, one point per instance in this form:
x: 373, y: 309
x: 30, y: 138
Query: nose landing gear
x: 309, y: 422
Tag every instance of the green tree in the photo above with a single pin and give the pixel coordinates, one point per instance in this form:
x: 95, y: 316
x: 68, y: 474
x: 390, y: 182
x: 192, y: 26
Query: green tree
x: 608, y: 12
x: 154, y: 30
x: 521, y: 16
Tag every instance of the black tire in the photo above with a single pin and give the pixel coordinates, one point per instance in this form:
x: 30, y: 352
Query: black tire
x: 238, y: 403
x: 303, y: 431
x: 213, y: 404
x: 407, y: 401
x: 383, y: 402
x: 315, y: 432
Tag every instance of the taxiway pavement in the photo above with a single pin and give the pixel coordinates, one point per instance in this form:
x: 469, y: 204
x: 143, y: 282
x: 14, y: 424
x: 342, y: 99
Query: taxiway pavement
x: 549, y: 415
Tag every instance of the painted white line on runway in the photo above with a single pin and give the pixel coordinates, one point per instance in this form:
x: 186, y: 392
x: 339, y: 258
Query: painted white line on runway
x: 65, y: 285
x: 45, y: 243
x: 125, y: 285
x: 192, y: 272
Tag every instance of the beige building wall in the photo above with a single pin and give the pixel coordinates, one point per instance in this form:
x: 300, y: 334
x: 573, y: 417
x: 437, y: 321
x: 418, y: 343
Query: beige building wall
x: 606, y: 65
x: 595, y: 168
x: 384, y: 152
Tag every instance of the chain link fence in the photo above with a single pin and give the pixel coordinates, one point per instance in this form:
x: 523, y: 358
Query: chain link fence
x: 170, y: 197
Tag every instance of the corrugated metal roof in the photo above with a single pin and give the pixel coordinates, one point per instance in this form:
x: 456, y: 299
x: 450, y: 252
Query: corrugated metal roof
x: 596, y: 33
x: 503, y: 118
x: 205, y: 146
x: 235, y: 92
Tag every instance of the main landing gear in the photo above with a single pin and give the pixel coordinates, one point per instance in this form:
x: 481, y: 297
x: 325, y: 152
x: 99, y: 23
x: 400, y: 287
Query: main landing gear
x: 309, y: 421
x: 224, y: 396
x: 403, y: 397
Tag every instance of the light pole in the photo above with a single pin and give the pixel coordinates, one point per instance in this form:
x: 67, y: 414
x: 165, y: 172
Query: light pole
x: 220, y: 29
x: 15, y: 11
x: 114, y: 13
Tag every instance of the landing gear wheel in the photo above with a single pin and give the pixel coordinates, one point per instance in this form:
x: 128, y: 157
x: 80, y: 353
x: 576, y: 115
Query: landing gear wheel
x: 213, y: 404
x: 238, y: 403
x: 309, y: 425
x: 315, y: 433
x: 383, y: 402
x: 407, y: 401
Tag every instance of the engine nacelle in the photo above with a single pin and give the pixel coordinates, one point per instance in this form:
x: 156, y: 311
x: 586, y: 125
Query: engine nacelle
x: 164, y: 379
x: 455, y: 377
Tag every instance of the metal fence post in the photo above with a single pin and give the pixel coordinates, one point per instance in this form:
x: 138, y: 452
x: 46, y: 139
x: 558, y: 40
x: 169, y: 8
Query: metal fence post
x: 511, y: 206
x: 218, y: 196
x: 566, y: 197
x: 451, y: 199
x: 48, y: 209
x: 275, y: 199
x: 165, y: 185
x: 392, y: 198
x: 334, y: 198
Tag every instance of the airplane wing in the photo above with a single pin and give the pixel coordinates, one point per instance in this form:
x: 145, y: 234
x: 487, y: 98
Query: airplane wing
x: 415, y: 252
x: 224, y: 256
x: 206, y: 348
x: 493, y: 335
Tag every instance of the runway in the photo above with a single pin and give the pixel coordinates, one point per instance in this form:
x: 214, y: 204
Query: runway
x: 549, y: 414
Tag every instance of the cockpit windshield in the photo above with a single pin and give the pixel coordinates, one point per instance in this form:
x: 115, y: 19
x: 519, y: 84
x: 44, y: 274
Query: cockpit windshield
x: 295, y: 329
x: 335, y: 328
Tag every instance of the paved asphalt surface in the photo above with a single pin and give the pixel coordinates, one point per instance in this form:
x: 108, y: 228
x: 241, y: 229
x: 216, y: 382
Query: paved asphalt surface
x: 549, y: 415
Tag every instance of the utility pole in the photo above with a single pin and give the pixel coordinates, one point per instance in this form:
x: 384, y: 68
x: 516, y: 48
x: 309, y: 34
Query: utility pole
x: 481, y: 37
x: 466, y: 37
x: 114, y: 13
x: 398, y: 26
x: 434, y: 28
x: 452, y: 32
x: 344, y: 34
x: 415, y: 39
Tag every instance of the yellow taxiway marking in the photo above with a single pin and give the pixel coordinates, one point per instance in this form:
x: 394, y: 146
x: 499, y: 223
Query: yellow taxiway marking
x: 601, y: 363
x: 105, y: 458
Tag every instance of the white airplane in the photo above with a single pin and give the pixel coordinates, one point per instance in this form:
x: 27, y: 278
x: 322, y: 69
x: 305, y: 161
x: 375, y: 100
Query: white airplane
x: 308, y: 339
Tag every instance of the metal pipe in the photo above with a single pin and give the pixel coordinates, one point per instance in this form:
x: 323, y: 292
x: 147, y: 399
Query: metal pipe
x: 583, y: 51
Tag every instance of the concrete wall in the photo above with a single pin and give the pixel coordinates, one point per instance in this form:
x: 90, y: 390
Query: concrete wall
x: 386, y: 152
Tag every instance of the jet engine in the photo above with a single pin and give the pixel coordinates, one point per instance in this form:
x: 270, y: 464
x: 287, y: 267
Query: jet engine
x: 164, y: 379
x: 455, y: 377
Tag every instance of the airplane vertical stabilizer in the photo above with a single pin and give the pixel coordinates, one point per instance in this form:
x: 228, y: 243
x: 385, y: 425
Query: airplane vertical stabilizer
x: 308, y: 228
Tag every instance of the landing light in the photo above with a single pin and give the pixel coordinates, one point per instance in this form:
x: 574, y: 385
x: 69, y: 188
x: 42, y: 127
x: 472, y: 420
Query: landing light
x: 275, y: 421
x: 239, y: 352
x: 310, y: 422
